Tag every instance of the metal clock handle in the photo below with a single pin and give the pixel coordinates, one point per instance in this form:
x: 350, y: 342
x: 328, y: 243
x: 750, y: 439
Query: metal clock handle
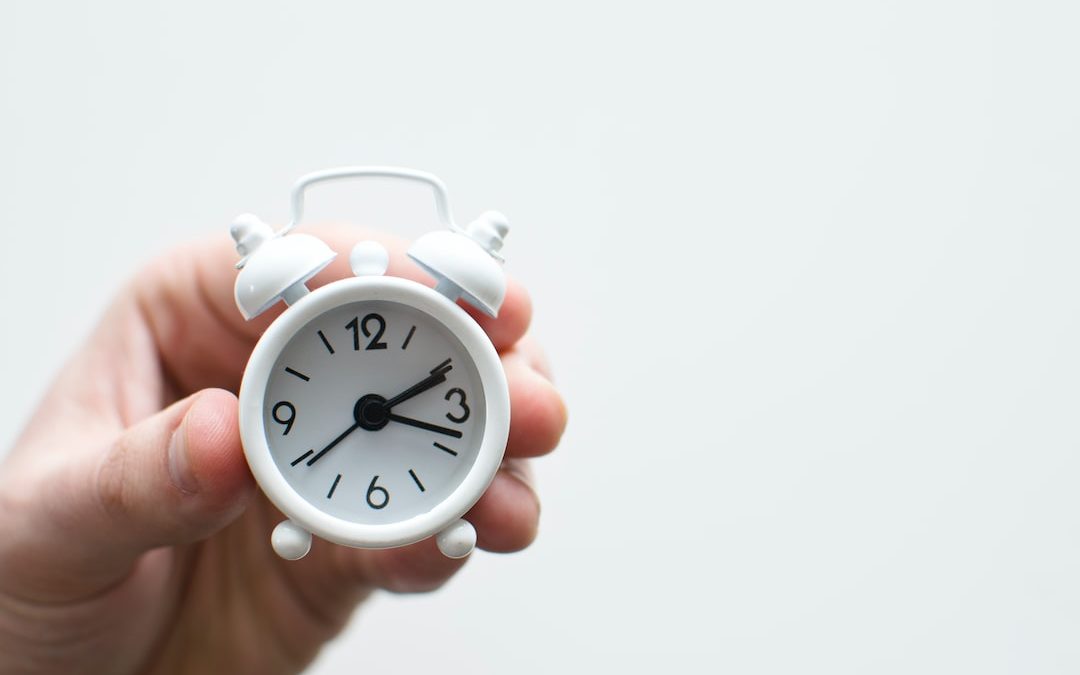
x: 442, y: 199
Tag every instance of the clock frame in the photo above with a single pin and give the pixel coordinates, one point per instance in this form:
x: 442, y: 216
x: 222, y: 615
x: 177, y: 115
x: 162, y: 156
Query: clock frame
x: 253, y: 402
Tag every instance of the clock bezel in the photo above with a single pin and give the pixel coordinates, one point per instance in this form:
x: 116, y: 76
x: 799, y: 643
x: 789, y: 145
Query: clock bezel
x: 252, y: 424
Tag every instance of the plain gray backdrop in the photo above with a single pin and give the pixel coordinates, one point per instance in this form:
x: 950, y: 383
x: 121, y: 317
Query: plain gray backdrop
x: 807, y: 273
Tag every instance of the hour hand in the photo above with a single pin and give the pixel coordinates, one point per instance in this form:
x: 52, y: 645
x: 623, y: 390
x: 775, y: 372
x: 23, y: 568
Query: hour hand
x: 423, y: 425
x: 437, y: 376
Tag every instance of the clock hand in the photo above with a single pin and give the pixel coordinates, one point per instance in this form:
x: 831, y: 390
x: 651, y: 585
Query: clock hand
x: 334, y: 442
x: 423, y: 425
x: 437, y: 376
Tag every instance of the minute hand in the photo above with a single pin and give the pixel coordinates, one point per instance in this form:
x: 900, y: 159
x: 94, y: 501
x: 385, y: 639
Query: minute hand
x: 423, y: 425
x: 437, y: 376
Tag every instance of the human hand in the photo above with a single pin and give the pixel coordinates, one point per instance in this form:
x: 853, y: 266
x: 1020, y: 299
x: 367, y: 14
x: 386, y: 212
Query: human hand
x: 132, y: 535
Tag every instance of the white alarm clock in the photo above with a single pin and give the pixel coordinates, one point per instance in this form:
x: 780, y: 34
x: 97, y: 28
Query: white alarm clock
x: 374, y: 411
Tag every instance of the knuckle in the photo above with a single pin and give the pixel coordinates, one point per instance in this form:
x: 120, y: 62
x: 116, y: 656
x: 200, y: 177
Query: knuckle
x: 112, y: 489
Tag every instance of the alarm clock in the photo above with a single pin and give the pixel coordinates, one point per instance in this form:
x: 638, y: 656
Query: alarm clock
x: 374, y: 411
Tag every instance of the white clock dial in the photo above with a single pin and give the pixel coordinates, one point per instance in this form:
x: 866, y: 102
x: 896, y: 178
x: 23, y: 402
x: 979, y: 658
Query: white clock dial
x: 374, y: 412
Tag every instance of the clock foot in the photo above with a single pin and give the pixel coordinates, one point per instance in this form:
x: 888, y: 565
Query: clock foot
x: 457, y: 540
x: 290, y: 541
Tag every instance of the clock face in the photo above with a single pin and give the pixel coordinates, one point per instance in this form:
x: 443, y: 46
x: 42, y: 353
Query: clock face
x: 374, y: 412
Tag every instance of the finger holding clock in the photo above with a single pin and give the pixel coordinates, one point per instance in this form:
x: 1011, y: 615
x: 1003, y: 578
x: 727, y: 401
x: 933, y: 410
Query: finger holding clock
x: 507, y: 516
x: 538, y: 414
x: 528, y: 348
x: 177, y: 476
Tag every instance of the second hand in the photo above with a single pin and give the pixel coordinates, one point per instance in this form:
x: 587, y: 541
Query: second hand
x: 334, y: 442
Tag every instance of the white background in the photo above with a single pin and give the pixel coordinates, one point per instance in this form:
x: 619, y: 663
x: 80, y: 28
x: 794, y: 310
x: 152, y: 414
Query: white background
x: 807, y: 273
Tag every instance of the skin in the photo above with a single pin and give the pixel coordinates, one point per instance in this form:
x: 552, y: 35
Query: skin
x: 133, y: 538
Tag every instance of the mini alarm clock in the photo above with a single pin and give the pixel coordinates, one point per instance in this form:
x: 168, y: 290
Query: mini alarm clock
x: 374, y: 411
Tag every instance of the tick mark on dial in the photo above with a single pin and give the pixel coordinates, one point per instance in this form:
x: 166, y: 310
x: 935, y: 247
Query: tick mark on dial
x: 301, y: 458
x: 329, y: 347
x: 408, y: 337
x: 445, y: 449
x: 333, y: 487
x: 416, y: 480
x: 297, y: 373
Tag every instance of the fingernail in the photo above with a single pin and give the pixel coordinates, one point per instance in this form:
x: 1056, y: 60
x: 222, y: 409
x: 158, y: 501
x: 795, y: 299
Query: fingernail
x: 179, y: 468
x: 524, y: 476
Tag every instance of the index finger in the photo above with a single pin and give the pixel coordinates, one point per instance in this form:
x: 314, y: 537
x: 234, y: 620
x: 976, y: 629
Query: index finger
x: 186, y: 298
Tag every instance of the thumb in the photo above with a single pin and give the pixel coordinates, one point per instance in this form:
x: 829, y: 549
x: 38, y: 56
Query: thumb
x: 176, y: 477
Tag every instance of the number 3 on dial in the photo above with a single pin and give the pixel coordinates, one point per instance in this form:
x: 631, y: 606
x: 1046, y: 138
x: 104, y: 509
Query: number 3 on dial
x: 460, y: 393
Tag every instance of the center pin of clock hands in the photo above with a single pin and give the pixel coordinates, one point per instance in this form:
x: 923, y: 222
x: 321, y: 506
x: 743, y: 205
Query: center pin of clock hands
x: 372, y: 412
